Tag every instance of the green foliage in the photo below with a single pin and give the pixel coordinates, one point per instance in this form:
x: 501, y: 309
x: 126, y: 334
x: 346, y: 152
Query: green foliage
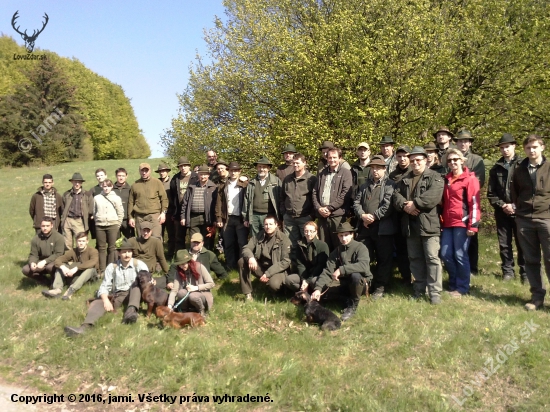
x: 111, y: 130
x: 350, y: 70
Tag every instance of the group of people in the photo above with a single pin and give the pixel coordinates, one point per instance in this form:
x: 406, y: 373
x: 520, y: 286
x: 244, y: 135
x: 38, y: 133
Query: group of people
x: 294, y: 229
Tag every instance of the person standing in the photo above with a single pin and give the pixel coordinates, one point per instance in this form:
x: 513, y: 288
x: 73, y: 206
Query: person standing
x: 386, y: 150
x: 47, y: 201
x: 122, y: 189
x: 78, y: 206
x: 403, y: 163
x: 147, y: 198
x: 531, y: 197
x: 168, y: 227
x: 360, y: 170
x: 417, y: 194
x: 324, y: 148
x: 288, y: 166
x: 332, y: 198
x: 442, y: 137
x: 500, y: 197
x: 178, y: 187
x: 433, y: 161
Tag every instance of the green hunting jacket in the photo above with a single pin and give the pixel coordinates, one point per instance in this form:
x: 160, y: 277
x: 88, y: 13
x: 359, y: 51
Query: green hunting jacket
x: 280, y: 251
x: 272, y: 186
x: 47, y: 248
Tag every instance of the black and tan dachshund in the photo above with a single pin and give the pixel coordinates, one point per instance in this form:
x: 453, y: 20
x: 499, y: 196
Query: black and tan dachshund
x: 150, y: 293
x: 315, y: 313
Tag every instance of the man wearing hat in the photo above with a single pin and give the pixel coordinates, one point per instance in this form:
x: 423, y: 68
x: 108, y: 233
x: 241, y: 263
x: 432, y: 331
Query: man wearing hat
x: 149, y: 249
x: 433, y: 161
x: 78, y: 206
x: 402, y: 158
x: 347, y: 269
x: 296, y: 199
x: 169, y: 226
x: 376, y: 224
x: 386, y: 150
x: 178, y: 187
x: 206, y: 257
x: 332, y: 197
x: 229, y: 206
x: 147, y: 198
x: 288, y: 166
x: 116, y: 290
x: 360, y: 170
x: 417, y: 196
x: 198, y: 206
x: 262, y: 198
x: 47, y: 201
x: 499, y: 195
x: 122, y: 189
x: 267, y: 257
x: 442, y: 137
x: 475, y: 164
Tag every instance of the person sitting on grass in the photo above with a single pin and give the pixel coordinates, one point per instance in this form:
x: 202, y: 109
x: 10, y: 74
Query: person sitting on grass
x: 46, y: 246
x: 76, y: 266
x: 192, y: 283
x: 116, y: 290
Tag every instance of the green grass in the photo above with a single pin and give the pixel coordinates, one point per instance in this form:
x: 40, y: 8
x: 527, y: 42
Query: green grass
x: 394, y: 355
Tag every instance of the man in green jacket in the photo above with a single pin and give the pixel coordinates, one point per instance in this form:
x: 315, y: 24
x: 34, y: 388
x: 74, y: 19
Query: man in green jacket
x: 46, y: 246
x: 348, y: 269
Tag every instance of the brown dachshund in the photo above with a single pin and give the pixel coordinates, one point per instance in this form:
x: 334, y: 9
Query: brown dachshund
x: 178, y: 320
x: 150, y: 293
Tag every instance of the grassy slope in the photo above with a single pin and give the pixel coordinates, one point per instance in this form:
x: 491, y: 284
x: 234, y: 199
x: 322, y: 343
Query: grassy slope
x: 394, y: 355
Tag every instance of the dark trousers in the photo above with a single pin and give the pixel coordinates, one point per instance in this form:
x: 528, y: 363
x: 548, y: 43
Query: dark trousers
x: 473, y: 253
x: 235, y: 236
x: 327, y: 227
x: 348, y: 288
x: 181, y: 233
x: 197, y: 224
x: 534, y: 235
x: 402, y: 256
x: 44, y: 276
x: 275, y: 283
x: 506, y: 231
x: 169, y: 227
x: 126, y: 230
x: 106, y: 237
x: 381, y: 247
x: 96, y: 310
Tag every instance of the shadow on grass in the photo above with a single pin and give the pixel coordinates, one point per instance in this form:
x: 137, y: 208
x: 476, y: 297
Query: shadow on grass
x: 27, y: 284
x: 509, y: 300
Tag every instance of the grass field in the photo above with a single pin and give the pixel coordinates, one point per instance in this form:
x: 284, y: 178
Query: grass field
x: 394, y: 355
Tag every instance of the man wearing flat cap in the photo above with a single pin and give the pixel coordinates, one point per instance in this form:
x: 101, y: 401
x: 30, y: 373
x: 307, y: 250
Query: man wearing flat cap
x: 178, y: 187
x: 169, y: 226
x: 149, y: 249
x: 500, y: 197
x: 198, y: 206
x: 147, y: 198
x: 347, y: 270
x: 262, y: 198
x: 288, y: 166
x: 78, y: 206
x: 417, y: 196
x: 386, y: 150
x: 442, y: 137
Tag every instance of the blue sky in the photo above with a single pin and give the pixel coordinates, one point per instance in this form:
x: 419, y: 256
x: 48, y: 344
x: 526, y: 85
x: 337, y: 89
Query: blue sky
x: 144, y: 46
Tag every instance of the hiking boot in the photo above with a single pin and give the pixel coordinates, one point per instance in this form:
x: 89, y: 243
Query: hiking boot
x: 248, y: 297
x: 377, y: 295
x: 435, y: 300
x: 350, y: 310
x: 507, y: 278
x: 130, y: 316
x: 534, y: 305
x: 52, y: 293
x: 68, y: 294
x: 74, y: 331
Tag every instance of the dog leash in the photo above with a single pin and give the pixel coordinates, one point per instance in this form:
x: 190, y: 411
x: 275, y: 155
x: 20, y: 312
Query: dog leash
x: 182, y: 300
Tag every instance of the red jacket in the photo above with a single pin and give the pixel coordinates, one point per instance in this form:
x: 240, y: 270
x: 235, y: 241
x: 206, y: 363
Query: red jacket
x: 461, y: 206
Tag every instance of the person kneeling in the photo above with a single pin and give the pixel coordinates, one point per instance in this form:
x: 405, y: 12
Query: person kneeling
x: 117, y: 289
x: 348, y: 264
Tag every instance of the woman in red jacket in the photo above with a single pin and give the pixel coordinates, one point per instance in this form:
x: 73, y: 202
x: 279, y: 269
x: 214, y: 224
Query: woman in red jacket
x: 461, y: 214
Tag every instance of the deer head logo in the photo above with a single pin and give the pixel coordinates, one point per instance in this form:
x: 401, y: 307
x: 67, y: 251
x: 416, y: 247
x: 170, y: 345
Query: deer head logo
x: 29, y: 40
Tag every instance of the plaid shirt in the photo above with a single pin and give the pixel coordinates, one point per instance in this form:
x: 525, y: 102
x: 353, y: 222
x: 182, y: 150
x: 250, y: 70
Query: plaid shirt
x: 119, y: 277
x: 49, y: 203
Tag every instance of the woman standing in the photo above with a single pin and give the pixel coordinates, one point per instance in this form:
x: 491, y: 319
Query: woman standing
x: 108, y: 215
x: 461, y: 214
x: 193, y: 283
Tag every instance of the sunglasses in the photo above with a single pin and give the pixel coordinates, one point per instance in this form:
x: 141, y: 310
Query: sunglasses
x: 453, y: 160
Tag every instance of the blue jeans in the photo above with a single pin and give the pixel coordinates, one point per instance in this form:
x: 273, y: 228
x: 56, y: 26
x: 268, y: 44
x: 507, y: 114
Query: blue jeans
x: 454, y: 251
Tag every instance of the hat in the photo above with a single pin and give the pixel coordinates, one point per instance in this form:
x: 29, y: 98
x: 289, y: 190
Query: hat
x: 443, y: 129
x: 405, y: 149
x: 326, y: 145
x: 463, y: 135
x: 345, y: 227
x: 430, y: 146
x: 263, y: 161
x: 363, y: 144
x: 197, y: 237
x: 144, y: 166
x: 146, y: 223
x: 289, y: 148
x: 418, y: 150
x: 506, y: 138
x: 77, y: 177
x: 124, y: 244
x: 377, y: 160
x: 221, y: 162
x: 182, y: 257
x: 203, y: 169
x: 183, y: 161
x: 163, y: 166
x: 387, y: 140
x: 234, y: 166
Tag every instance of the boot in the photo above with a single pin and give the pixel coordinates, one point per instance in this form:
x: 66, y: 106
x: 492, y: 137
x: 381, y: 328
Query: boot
x: 68, y: 294
x: 52, y: 293
x: 73, y: 331
x: 130, y: 316
x: 350, y: 310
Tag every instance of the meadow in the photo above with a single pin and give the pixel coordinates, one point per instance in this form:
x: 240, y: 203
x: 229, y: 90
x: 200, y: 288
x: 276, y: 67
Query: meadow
x: 481, y: 353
